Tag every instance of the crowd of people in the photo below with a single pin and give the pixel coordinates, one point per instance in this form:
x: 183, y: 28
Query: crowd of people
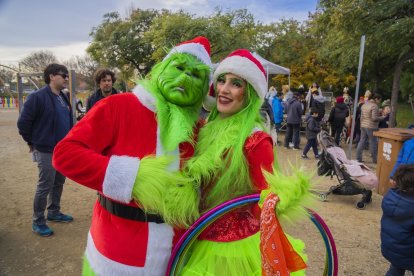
x: 146, y: 151
x: 295, y: 110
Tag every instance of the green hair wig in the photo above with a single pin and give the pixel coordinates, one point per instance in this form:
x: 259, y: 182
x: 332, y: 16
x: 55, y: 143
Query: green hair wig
x: 219, y: 166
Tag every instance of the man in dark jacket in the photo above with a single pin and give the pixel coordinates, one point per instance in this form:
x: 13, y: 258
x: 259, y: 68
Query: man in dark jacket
x: 105, y: 79
x: 45, y: 119
x: 337, y: 118
x: 294, y: 112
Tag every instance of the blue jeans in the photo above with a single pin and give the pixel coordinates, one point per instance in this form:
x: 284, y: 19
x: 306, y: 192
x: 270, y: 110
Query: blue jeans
x: 292, y: 134
x: 312, y: 143
x: 367, y: 134
x: 49, y: 188
x: 396, y: 271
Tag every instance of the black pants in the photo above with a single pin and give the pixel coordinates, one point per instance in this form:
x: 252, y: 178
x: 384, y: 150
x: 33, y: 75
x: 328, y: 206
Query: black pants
x: 336, y: 133
x: 292, y: 134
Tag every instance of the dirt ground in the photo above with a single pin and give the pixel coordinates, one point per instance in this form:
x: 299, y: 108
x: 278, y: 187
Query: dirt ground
x: 356, y: 232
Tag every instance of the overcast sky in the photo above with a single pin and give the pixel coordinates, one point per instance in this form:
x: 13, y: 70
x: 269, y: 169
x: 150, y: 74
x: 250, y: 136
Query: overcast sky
x: 63, y: 27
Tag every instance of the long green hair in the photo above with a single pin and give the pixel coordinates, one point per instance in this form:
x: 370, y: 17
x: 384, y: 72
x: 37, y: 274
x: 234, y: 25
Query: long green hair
x: 176, y: 122
x: 219, y: 165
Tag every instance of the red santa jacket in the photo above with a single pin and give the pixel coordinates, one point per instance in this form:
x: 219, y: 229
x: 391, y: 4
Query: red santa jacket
x: 103, y: 152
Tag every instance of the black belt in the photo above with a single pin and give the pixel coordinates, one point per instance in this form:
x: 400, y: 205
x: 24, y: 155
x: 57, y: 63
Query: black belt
x: 126, y: 211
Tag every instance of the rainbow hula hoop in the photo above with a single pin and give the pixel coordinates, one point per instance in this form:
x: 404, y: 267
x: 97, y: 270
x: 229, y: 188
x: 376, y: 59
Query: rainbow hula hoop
x: 181, y: 248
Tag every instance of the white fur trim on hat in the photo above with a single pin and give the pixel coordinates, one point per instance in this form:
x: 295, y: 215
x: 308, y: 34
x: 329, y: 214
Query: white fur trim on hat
x: 195, y: 49
x: 209, y: 102
x: 246, y: 69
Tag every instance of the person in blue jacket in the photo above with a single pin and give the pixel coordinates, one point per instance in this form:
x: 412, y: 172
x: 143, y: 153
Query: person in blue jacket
x: 397, y: 223
x: 277, y: 107
x: 45, y: 119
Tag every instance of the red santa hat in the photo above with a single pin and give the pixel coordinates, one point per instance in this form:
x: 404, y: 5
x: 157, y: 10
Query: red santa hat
x: 198, y: 47
x: 243, y: 64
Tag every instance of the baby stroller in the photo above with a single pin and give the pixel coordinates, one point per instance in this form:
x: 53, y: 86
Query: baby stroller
x: 354, y: 178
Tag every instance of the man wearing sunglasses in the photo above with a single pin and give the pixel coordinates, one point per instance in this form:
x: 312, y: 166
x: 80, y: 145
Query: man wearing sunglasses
x: 45, y: 119
x: 105, y: 79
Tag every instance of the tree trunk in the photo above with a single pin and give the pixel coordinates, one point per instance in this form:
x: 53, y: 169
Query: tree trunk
x: 396, y: 86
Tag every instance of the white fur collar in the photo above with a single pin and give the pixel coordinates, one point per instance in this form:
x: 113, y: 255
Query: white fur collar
x: 145, y: 97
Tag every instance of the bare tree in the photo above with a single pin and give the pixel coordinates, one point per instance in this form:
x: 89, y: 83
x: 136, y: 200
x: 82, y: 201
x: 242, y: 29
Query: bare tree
x: 84, y: 67
x: 6, y: 76
x: 36, y: 62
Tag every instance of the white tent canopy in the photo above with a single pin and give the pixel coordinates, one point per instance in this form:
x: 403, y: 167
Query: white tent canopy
x: 272, y: 68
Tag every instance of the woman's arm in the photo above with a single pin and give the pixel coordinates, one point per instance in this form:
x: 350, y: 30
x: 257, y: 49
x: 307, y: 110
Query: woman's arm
x: 259, y: 154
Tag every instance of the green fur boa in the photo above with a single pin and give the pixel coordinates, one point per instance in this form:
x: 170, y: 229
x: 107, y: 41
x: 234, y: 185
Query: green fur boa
x: 161, y: 191
x: 219, y: 166
x: 293, y: 189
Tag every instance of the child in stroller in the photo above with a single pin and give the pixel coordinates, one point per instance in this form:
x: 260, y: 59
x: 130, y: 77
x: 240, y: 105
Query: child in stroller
x: 354, y: 178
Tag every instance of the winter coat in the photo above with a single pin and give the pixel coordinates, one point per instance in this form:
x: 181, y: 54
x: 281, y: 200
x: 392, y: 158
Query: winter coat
x: 405, y: 156
x: 384, y: 122
x: 294, y: 111
x: 397, y: 229
x: 318, y: 102
x: 277, y: 110
x: 96, y: 97
x: 313, y: 127
x: 37, y: 123
x: 369, y: 115
x: 107, y: 146
x: 267, y: 109
x: 338, y: 115
x: 358, y: 117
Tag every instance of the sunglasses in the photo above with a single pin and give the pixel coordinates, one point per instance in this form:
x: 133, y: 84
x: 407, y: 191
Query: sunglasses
x: 63, y: 75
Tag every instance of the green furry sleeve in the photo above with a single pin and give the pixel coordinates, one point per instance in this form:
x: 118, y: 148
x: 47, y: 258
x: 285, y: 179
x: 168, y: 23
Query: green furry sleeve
x: 293, y: 190
x: 161, y: 191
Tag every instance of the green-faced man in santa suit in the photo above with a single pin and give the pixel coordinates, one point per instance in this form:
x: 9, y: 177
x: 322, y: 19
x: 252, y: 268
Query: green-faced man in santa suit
x: 129, y: 148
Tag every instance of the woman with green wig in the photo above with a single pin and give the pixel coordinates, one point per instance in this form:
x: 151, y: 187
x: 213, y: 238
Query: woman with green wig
x: 232, y: 153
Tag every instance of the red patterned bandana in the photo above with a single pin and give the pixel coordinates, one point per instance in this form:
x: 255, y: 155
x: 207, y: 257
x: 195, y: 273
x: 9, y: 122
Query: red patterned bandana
x: 278, y: 255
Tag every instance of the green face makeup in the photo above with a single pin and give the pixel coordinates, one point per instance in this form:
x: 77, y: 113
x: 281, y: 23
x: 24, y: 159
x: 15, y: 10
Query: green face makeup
x: 184, y: 81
